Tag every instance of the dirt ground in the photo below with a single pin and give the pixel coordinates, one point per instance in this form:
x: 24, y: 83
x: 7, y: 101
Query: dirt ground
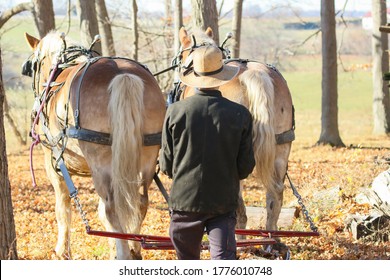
x: 314, y: 170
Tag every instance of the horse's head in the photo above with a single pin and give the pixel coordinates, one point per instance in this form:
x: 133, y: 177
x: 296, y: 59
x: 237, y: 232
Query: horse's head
x: 190, y: 42
x: 197, y: 39
x: 46, y: 53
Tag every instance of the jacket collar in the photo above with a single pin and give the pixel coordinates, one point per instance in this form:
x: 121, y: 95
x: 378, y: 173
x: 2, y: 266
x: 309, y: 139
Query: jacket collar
x: 208, y: 92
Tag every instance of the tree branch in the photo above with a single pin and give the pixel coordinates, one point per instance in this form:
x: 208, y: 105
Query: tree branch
x: 13, y: 125
x: 6, y: 15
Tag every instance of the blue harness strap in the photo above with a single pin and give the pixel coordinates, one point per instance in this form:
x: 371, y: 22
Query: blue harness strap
x: 68, y: 180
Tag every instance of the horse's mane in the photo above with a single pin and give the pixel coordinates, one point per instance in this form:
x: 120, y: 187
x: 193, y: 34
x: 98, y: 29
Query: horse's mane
x: 52, y: 44
x: 201, y: 37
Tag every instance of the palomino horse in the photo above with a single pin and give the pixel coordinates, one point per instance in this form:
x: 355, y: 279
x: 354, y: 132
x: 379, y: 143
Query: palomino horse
x: 264, y: 91
x: 95, y: 117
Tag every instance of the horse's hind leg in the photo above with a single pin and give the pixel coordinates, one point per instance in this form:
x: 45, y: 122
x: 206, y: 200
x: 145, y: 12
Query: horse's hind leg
x: 107, y: 213
x: 274, y: 200
x: 241, y: 211
x: 274, y: 196
x: 62, y: 209
x: 107, y: 226
x: 119, y: 249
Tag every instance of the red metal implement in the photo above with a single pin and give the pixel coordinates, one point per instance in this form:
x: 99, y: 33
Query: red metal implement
x: 276, y: 233
x: 129, y: 236
x: 153, y: 242
x: 205, y: 245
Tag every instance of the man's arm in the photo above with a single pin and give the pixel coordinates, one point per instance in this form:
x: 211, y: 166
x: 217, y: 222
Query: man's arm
x: 246, y: 160
x: 166, y: 154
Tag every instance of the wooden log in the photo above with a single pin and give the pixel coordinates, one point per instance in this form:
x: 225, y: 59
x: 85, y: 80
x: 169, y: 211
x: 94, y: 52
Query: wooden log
x: 385, y: 29
x: 379, y: 195
x: 257, y: 217
x: 374, y: 226
x: 377, y: 224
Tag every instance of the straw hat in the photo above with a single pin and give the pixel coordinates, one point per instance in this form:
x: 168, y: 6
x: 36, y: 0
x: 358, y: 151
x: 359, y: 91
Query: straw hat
x: 208, y: 69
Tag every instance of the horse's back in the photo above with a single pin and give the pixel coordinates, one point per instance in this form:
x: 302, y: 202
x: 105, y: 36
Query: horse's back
x: 283, y: 107
x: 89, y: 83
x: 85, y: 95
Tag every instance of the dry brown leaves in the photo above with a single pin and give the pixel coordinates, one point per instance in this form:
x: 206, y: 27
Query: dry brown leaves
x: 312, y: 169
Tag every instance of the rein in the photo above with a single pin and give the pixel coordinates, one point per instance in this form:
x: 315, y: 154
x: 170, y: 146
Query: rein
x: 35, y: 136
x: 166, y: 70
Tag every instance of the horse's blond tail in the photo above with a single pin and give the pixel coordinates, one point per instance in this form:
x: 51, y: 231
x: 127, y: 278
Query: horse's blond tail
x: 260, y: 91
x: 126, y: 111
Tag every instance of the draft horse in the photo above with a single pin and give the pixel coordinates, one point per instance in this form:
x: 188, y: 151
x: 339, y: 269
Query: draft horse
x: 263, y: 90
x: 96, y: 113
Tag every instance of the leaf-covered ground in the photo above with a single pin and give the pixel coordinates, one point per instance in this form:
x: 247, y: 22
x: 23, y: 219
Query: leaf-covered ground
x: 313, y: 169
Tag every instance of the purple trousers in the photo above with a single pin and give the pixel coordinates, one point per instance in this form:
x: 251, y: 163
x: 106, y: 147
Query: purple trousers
x: 186, y: 231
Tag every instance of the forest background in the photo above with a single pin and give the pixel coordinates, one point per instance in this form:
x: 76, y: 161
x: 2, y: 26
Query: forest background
x: 328, y: 178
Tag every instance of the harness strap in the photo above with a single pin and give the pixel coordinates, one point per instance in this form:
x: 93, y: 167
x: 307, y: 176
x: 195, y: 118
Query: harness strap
x: 34, y: 135
x: 285, y: 137
x: 289, y: 135
x: 88, y: 135
x: 77, y: 109
x: 68, y: 180
x: 103, y: 138
x: 152, y: 139
x: 166, y: 70
x: 161, y: 187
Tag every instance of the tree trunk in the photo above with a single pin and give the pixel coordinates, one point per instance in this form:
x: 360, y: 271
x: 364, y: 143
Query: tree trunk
x: 329, y: 118
x: 168, y: 10
x: 134, y: 24
x: 88, y: 23
x: 44, y: 16
x: 14, y: 126
x: 380, y: 65
x: 7, y: 223
x: 178, y: 23
x: 108, y: 47
x: 168, y: 36
x: 7, y: 14
x: 178, y: 14
x: 236, y: 28
x: 204, y: 15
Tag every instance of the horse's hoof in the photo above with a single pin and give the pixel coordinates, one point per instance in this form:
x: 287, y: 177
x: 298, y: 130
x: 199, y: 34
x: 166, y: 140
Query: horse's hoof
x: 279, y: 250
x: 136, y: 256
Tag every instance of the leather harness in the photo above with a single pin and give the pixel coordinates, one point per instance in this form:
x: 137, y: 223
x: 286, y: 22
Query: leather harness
x: 76, y: 131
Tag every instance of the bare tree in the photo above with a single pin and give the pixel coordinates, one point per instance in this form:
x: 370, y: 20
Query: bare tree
x: 329, y: 118
x: 88, y: 23
x: 168, y: 10
x: 7, y: 223
x: 205, y: 14
x: 178, y: 14
x: 7, y: 14
x: 22, y: 140
x: 168, y: 36
x: 134, y: 25
x: 236, y: 22
x: 44, y: 16
x: 108, y: 47
x: 380, y: 65
x: 178, y: 23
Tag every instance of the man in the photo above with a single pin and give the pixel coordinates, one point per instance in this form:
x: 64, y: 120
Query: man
x: 206, y: 150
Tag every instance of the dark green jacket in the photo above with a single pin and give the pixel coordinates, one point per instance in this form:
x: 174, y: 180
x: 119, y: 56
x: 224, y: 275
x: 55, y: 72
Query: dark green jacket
x: 206, y: 150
